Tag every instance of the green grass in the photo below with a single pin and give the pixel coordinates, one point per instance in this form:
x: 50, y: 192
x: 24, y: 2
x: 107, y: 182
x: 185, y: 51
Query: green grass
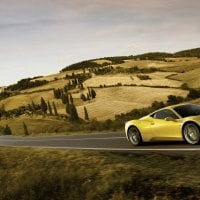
x: 60, y: 174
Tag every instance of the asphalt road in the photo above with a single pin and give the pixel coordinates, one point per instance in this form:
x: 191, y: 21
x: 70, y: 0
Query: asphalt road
x: 105, y: 142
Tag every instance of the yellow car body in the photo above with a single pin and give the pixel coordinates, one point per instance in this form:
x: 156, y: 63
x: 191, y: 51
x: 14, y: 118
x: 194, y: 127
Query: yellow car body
x: 168, y: 127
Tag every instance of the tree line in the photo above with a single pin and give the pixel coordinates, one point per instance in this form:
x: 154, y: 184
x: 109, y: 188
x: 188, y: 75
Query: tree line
x: 26, y: 84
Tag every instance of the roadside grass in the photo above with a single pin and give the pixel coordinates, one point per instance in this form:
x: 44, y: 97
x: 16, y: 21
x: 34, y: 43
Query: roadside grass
x: 51, y: 126
x: 36, y: 126
x: 43, y: 174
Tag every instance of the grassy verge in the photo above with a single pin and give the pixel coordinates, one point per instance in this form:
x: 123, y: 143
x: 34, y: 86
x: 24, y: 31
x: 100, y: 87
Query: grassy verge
x: 59, y: 174
x: 52, y: 126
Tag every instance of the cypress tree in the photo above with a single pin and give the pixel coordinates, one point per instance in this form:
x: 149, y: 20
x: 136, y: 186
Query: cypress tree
x: 73, y: 113
x: 88, y: 97
x: 81, y: 86
x: 59, y: 93
x: 65, y: 88
x: 67, y: 108
x: 7, y: 130
x: 93, y: 93
x: 49, y: 108
x: 54, y: 93
x: 71, y: 98
x: 43, y: 106
x: 86, y: 113
x: 69, y: 84
x: 25, y: 129
x: 2, y: 111
x: 89, y: 92
x: 55, y: 109
x: 33, y: 106
x: 65, y: 99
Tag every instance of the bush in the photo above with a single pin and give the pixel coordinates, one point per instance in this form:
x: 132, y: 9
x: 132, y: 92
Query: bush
x: 7, y: 130
x: 174, y: 99
x: 143, y: 77
x: 194, y: 94
x: 184, y: 86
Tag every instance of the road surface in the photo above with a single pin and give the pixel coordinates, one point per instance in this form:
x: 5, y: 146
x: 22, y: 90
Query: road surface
x: 105, y: 142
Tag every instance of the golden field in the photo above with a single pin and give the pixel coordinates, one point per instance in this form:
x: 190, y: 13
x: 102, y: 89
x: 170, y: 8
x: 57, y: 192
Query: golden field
x: 125, y: 92
x: 117, y: 100
x: 157, y: 79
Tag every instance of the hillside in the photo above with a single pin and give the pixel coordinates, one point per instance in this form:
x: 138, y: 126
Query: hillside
x: 105, y: 87
x: 188, y: 53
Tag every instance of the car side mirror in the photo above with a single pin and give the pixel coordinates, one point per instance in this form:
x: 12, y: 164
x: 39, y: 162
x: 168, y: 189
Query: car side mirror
x: 170, y: 119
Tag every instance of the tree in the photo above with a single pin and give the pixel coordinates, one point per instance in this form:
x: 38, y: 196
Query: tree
x: 89, y: 92
x: 7, y: 130
x: 65, y: 99
x: 49, y: 108
x: 88, y: 96
x: 2, y: 111
x: 25, y: 129
x: 81, y: 86
x: 73, y: 113
x: 93, y: 93
x: 86, y: 113
x: 43, y: 106
x: 194, y: 94
x: 58, y: 93
x: 67, y: 108
x: 157, y: 105
x: 174, y: 99
x: 65, y: 88
x: 33, y: 106
x: 55, y: 109
x: 185, y: 86
x: 71, y: 98
x: 83, y: 97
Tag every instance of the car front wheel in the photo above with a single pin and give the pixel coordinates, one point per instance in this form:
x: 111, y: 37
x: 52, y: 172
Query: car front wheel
x: 191, y: 133
x: 134, y: 136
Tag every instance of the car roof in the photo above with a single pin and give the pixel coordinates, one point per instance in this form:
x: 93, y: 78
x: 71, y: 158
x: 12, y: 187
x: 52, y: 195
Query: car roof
x: 171, y: 107
x: 181, y: 104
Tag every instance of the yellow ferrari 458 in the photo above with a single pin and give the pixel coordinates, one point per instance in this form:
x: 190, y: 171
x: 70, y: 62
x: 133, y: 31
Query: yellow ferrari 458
x: 173, y: 123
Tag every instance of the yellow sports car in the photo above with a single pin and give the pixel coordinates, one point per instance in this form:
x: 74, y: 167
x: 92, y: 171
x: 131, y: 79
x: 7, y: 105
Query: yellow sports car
x: 173, y: 123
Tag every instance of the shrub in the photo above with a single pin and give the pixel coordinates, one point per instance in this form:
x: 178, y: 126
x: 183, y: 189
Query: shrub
x: 7, y: 130
x: 174, y: 99
x: 194, y: 94
x: 143, y: 77
x: 184, y: 86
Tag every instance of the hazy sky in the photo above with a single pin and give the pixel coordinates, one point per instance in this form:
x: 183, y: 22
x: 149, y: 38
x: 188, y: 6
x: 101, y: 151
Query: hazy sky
x: 40, y: 37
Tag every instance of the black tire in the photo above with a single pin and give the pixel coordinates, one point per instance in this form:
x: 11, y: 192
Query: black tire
x: 134, y: 136
x: 191, y: 133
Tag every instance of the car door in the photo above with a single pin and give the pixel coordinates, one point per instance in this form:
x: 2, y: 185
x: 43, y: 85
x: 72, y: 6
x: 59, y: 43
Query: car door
x: 165, y: 125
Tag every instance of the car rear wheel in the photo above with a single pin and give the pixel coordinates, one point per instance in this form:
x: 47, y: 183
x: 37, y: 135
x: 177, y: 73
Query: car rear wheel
x: 191, y: 133
x: 134, y: 136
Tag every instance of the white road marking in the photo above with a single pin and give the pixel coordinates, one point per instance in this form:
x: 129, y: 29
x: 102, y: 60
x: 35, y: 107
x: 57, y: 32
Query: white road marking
x: 108, y: 149
x: 59, y: 139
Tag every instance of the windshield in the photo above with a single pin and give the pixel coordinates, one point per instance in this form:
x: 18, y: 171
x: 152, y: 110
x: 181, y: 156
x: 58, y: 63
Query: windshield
x: 188, y: 110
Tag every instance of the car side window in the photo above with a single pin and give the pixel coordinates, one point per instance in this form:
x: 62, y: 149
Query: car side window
x: 162, y: 114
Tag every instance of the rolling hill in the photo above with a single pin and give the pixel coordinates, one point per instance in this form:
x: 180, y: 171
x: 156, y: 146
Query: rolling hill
x: 120, y: 84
